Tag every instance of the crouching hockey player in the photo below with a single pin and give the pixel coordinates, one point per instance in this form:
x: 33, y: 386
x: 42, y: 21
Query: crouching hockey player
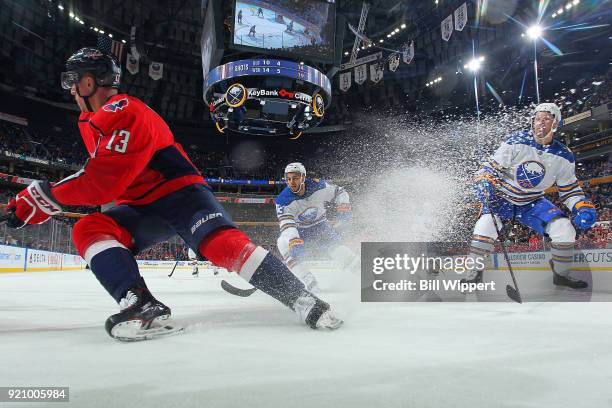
x: 511, y: 185
x: 134, y: 161
x: 304, y: 228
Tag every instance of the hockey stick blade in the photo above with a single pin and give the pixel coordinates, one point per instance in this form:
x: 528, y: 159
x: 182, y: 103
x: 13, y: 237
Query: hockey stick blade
x: 237, y: 291
x: 173, y: 268
x: 513, y: 294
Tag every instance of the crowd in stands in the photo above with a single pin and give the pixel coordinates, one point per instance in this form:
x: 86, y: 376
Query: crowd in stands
x: 54, y: 146
x: 587, y: 93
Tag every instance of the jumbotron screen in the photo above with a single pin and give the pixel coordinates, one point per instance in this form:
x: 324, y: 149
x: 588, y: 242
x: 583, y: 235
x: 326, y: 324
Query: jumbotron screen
x: 304, y: 28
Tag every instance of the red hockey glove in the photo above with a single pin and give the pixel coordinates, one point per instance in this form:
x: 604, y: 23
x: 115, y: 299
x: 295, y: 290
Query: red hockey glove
x: 33, y: 205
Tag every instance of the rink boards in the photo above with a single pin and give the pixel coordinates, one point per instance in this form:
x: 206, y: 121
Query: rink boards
x: 17, y: 259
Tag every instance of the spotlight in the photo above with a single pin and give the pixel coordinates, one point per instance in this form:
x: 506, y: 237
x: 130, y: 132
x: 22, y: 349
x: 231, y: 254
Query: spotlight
x: 568, y: 6
x: 474, y: 65
x: 534, y: 32
x: 404, y: 25
x: 123, y: 41
x: 346, y: 53
x: 381, y: 40
x: 59, y: 6
x: 110, y: 35
x: 71, y: 14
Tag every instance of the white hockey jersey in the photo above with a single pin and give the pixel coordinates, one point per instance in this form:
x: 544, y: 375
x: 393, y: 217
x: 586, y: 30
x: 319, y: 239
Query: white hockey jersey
x: 297, y: 213
x: 523, y: 169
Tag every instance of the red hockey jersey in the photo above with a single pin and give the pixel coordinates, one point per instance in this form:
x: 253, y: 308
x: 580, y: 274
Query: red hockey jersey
x: 133, y: 158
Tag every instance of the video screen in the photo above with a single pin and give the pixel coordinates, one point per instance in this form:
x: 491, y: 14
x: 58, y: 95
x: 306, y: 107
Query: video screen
x: 305, y: 28
x: 208, y: 43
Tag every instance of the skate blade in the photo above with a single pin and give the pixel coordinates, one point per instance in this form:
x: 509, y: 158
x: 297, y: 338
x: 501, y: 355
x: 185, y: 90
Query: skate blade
x: 327, y: 322
x: 162, y: 326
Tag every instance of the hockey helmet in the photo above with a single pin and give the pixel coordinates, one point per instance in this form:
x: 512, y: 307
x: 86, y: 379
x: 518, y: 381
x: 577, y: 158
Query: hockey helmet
x: 104, y: 68
x: 295, y: 168
x: 551, y: 108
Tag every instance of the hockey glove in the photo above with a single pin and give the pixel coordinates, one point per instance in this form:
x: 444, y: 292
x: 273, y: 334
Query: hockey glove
x: 296, y: 249
x: 33, y: 205
x: 585, y: 214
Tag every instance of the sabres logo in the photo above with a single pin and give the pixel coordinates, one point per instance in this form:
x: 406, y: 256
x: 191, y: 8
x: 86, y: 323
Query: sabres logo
x: 530, y: 173
x: 116, y: 106
x: 309, y: 215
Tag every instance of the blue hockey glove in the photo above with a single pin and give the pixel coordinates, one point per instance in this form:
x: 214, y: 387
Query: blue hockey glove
x: 297, y: 249
x: 585, y: 214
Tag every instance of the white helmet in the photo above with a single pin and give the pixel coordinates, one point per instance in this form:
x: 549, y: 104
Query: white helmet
x: 550, y: 108
x: 295, y: 168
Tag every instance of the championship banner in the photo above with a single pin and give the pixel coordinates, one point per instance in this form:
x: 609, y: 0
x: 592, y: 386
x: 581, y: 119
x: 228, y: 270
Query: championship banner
x: 408, y: 53
x: 376, y: 73
x: 156, y: 70
x: 360, y: 61
x: 345, y: 81
x: 132, y: 64
x: 133, y: 49
x: 394, y: 61
x: 361, y: 74
x: 461, y: 17
x: 447, y: 27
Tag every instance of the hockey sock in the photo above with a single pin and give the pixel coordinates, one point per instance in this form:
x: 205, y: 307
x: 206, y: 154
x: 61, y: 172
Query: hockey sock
x: 480, y: 248
x: 270, y: 275
x: 117, y: 271
x: 562, y: 257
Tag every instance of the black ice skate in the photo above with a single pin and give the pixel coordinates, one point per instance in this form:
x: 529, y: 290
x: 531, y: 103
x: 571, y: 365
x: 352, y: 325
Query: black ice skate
x: 568, y: 281
x: 195, y: 273
x: 316, y: 313
x: 142, y: 317
x: 473, y: 276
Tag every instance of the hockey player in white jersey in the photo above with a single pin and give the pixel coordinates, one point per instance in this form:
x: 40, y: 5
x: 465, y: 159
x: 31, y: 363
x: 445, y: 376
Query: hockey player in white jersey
x: 304, y: 228
x: 511, y: 185
x: 193, y: 261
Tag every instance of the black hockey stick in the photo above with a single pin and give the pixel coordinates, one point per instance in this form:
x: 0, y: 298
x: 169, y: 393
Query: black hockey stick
x: 175, y: 264
x: 512, y: 292
x: 229, y: 288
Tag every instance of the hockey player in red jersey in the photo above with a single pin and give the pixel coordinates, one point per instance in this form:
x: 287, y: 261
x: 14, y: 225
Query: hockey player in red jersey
x: 158, y: 193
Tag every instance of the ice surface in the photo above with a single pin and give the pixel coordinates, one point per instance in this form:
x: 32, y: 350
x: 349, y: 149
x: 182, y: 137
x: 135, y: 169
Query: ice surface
x: 251, y: 352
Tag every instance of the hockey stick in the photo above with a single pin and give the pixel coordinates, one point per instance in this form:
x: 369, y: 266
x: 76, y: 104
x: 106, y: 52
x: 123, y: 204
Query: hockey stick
x: 175, y: 264
x: 512, y: 292
x: 229, y: 288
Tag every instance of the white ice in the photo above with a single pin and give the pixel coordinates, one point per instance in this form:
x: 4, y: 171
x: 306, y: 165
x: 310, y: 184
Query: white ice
x: 251, y: 352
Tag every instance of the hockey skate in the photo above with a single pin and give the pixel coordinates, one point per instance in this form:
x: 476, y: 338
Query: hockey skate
x: 142, y: 317
x: 567, y: 281
x: 316, y: 313
x: 473, y: 276
x: 195, y: 273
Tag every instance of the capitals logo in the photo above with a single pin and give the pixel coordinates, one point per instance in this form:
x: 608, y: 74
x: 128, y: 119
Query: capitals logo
x: 116, y: 106
x: 530, y: 173
x: 309, y: 215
